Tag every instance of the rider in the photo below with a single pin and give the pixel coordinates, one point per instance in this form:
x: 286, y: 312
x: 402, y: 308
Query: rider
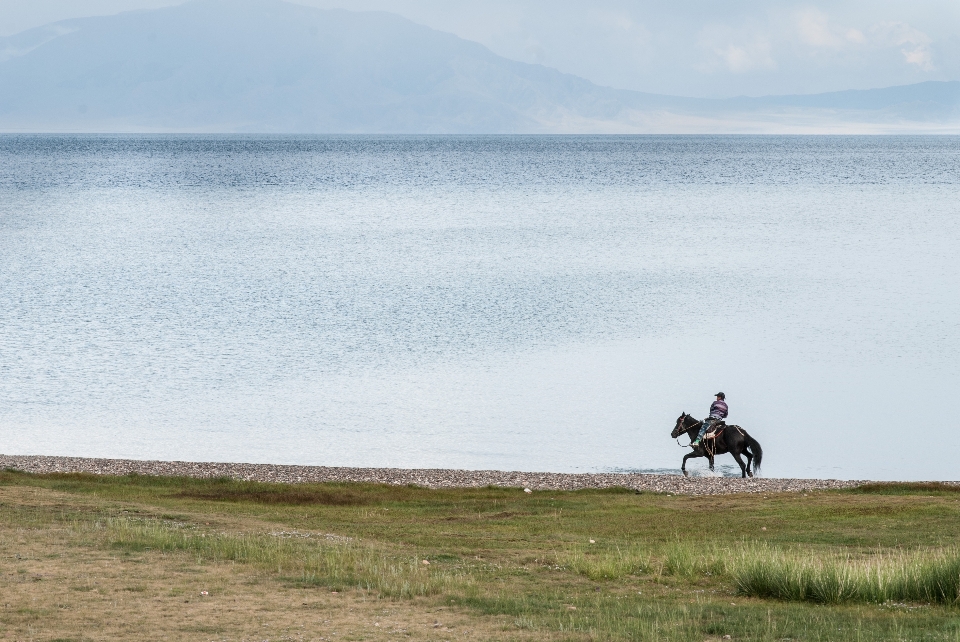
x: 718, y: 411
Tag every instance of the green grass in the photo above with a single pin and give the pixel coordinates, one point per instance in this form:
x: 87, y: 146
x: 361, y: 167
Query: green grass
x: 921, y: 576
x: 907, y: 488
x: 874, y: 563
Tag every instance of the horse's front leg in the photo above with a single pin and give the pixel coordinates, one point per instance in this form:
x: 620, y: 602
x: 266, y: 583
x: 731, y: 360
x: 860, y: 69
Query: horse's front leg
x: 683, y: 466
x: 710, y: 457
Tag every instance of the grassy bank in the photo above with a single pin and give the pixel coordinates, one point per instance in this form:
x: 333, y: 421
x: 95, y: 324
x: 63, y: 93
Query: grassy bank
x: 874, y: 563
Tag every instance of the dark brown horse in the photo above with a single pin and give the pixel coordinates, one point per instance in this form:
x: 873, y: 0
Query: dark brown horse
x: 732, y: 439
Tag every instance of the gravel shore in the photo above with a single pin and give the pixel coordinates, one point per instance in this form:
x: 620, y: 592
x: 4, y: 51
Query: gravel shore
x: 429, y: 478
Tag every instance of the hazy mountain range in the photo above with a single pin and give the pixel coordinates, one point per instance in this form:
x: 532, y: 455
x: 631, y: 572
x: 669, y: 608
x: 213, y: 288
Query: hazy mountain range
x: 271, y: 66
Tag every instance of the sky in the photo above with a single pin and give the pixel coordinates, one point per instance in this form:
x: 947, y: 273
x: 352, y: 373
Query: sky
x: 702, y: 48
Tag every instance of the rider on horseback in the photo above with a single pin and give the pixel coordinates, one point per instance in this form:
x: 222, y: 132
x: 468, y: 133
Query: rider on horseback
x: 718, y: 411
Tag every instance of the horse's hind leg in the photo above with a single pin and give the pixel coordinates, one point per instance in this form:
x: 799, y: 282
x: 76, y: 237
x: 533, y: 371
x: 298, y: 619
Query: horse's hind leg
x: 746, y: 453
x: 743, y: 468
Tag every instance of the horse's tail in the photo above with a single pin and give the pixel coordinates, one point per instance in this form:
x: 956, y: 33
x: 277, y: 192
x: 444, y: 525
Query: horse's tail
x: 756, y: 450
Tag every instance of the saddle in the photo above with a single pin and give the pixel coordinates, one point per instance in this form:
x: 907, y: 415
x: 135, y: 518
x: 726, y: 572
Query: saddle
x: 710, y: 438
x: 715, y: 429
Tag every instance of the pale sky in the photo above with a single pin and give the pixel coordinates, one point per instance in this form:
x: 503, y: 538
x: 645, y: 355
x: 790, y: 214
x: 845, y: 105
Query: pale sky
x: 703, y: 48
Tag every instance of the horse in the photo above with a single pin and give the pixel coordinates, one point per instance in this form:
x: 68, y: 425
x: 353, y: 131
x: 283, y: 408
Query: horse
x: 729, y: 439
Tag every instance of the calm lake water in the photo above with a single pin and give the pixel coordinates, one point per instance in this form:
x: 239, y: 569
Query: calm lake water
x: 534, y: 303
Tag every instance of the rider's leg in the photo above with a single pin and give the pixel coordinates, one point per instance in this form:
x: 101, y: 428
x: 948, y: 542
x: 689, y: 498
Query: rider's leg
x: 703, y: 430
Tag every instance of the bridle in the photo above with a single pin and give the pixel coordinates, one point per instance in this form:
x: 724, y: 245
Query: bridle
x: 680, y: 421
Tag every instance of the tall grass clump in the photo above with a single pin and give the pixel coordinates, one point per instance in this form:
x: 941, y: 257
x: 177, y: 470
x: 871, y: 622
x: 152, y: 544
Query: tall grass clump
x: 679, y: 559
x: 334, y: 564
x: 917, y: 576
x: 684, y: 559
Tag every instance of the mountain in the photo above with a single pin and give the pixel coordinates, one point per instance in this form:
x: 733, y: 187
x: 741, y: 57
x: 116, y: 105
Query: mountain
x: 926, y: 103
x: 272, y: 66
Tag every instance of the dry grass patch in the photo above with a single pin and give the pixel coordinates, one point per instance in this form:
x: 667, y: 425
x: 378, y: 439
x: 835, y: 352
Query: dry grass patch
x: 62, y: 577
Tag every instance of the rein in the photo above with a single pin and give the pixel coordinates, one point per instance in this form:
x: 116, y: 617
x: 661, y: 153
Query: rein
x: 711, y: 448
x: 690, y: 428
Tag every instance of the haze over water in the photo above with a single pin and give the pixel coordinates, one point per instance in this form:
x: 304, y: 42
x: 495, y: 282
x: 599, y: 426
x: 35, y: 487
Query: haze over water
x: 534, y: 303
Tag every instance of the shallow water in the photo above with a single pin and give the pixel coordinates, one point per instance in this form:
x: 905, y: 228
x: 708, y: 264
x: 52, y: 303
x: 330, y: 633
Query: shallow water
x: 536, y: 303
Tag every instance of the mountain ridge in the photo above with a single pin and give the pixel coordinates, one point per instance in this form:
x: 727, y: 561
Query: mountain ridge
x: 269, y: 66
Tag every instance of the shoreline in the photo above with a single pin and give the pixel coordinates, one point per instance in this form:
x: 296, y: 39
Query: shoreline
x: 428, y: 478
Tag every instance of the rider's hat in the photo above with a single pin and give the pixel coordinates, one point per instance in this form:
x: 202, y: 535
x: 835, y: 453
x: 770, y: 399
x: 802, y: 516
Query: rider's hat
x: 721, y: 395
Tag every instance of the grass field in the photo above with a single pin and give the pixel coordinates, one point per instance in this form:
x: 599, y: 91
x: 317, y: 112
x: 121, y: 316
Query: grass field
x: 84, y: 557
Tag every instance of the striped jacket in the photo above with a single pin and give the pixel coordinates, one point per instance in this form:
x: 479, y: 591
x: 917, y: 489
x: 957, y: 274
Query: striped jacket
x: 718, y: 409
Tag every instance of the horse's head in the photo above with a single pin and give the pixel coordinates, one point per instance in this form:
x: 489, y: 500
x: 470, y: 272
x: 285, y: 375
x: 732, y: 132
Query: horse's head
x: 681, y: 426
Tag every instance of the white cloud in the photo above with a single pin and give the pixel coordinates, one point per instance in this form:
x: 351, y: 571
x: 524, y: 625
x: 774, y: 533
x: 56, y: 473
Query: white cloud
x: 855, y: 36
x: 742, y: 58
x: 899, y: 34
x: 738, y: 51
x: 919, y: 56
x: 816, y: 30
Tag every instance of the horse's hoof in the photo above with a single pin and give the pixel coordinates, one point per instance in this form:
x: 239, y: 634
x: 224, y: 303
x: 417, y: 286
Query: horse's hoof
x: 686, y: 474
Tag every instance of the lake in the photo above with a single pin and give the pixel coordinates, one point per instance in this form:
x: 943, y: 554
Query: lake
x: 542, y: 303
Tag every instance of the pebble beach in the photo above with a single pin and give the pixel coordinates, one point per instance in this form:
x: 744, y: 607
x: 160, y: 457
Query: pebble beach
x: 428, y: 478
